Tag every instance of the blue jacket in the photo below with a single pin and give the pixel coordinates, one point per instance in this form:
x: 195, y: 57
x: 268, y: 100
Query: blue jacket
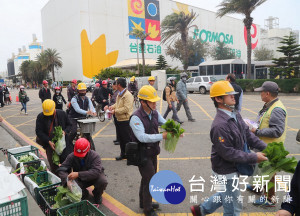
x: 227, y: 139
x: 181, y: 91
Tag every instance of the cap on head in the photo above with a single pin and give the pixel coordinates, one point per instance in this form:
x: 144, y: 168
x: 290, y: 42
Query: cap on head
x: 81, y: 86
x: 152, y: 78
x: 45, y: 82
x: 74, y: 81
x: 221, y: 88
x: 82, y: 147
x: 148, y: 93
x: 21, y: 87
x: 104, y: 82
x: 170, y: 79
x: 57, y: 88
x: 48, y: 107
x: 268, y: 86
x: 97, y: 84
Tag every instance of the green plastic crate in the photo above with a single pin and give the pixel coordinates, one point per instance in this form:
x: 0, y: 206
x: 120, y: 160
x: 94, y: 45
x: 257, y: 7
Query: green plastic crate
x: 17, y: 207
x: 47, y: 201
x: 82, y: 208
x: 41, y: 178
x: 22, y: 151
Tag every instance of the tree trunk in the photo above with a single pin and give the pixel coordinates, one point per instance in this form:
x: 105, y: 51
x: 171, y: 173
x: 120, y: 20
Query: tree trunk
x: 248, y: 23
x: 185, y: 51
x: 53, y: 75
x: 143, y: 55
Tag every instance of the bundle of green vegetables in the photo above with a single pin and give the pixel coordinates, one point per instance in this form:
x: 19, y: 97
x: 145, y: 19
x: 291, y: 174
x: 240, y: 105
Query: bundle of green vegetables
x: 175, y: 131
x: 58, y: 134
x: 32, y: 169
x: 26, y: 158
x: 65, y: 197
x: 277, y: 161
x: 42, y: 184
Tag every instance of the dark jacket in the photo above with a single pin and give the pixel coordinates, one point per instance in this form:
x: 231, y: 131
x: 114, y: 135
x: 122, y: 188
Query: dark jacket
x: 71, y: 93
x: 294, y: 206
x: 44, y: 94
x: 43, y: 125
x: 59, y: 100
x: 5, y: 91
x: 227, y: 139
x: 238, y: 89
x: 83, y: 104
x: 133, y: 87
x: 88, y: 172
x: 114, y: 97
x: 96, y: 95
x: 104, y: 94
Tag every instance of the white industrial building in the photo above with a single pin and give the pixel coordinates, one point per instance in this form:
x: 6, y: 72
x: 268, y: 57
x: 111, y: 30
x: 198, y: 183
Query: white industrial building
x: 91, y: 35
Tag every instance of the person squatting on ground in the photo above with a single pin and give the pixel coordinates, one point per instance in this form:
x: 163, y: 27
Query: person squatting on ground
x: 45, y: 123
x: 182, y: 96
x: 84, y: 166
x: 228, y: 135
x: 272, y: 127
x: 239, y: 96
x: 23, y: 99
x: 45, y: 92
x: 58, y: 98
x: 171, y: 98
x: 81, y: 107
x: 122, y: 109
x: 144, y: 130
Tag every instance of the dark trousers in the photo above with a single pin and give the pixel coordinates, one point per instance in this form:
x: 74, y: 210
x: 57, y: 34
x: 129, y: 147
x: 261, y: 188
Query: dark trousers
x: 1, y: 101
x: 99, y: 183
x: 123, y: 129
x: 117, y: 133
x: 49, y: 153
x: 147, y: 171
x: 73, y: 131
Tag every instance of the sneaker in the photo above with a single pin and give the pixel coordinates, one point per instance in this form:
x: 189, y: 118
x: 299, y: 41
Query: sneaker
x: 192, y: 120
x: 26, y: 113
x: 195, y: 209
x: 251, y: 189
x: 264, y: 203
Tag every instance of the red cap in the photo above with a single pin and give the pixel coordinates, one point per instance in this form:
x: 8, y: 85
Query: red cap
x: 45, y: 82
x: 4, y: 84
x: 104, y: 82
x: 97, y: 84
x: 82, y: 147
x: 57, y: 88
x: 74, y: 81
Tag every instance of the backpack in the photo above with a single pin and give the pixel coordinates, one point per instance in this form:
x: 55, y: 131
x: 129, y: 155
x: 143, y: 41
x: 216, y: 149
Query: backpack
x: 164, y: 93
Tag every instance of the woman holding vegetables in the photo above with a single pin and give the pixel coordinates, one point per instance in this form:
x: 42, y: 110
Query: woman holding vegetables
x: 144, y: 130
x: 47, y: 123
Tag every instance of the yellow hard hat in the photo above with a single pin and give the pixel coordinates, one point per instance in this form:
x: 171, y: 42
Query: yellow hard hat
x: 148, y: 93
x: 81, y: 86
x: 48, y: 107
x: 132, y: 79
x: 152, y: 78
x: 221, y: 88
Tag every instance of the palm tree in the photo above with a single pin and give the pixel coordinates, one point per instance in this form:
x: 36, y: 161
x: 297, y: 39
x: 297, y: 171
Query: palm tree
x: 245, y: 7
x: 25, y: 71
x: 142, y: 36
x: 49, y: 60
x: 36, y: 72
x: 178, y: 24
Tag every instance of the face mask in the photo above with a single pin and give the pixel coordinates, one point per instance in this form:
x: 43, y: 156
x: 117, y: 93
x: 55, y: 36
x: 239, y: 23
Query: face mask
x: 57, y: 92
x: 183, y: 79
x: 82, y: 94
x: 22, y: 89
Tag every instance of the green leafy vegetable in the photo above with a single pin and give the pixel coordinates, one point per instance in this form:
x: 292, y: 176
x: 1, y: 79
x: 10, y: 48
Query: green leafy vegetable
x: 26, y: 158
x: 55, y: 158
x: 64, y: 197
x: 277, y: 161
x: 175, y: 132
x: 32, y: 169
x: 58, y: 134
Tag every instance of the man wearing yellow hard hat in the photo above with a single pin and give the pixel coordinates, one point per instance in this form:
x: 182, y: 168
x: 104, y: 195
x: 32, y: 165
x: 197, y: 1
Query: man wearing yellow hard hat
x: 151, y: 81
x: 81, y: 106
x: 133, y: 86
x: 45, y: 123
x: 230, y: 154
x: 144, y: 130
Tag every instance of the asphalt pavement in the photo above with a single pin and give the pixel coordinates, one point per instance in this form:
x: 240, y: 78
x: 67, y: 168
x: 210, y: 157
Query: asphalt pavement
x: 191, y: 157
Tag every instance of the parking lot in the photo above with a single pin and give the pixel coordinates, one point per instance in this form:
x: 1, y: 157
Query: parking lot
x: 191, y: 157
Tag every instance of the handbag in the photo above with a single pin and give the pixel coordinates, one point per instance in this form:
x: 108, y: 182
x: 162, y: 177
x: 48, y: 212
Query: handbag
x: 26, y: 99
x: 244, y: 168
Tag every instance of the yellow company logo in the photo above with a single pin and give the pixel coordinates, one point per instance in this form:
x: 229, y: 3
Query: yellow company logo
x: 94, y: 57
x: 152, y: 30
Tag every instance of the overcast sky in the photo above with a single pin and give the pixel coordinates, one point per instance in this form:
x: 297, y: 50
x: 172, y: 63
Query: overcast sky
x: 22, y: 18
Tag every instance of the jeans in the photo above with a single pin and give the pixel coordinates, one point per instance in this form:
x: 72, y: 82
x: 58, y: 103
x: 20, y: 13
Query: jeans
x: 186, y: 107
x: 232, y: 208
x: 24, y: 107
x: 174, y: 116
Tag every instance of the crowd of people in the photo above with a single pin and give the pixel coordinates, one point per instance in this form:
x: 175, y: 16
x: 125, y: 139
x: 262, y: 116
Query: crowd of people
x: 229, y: 134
